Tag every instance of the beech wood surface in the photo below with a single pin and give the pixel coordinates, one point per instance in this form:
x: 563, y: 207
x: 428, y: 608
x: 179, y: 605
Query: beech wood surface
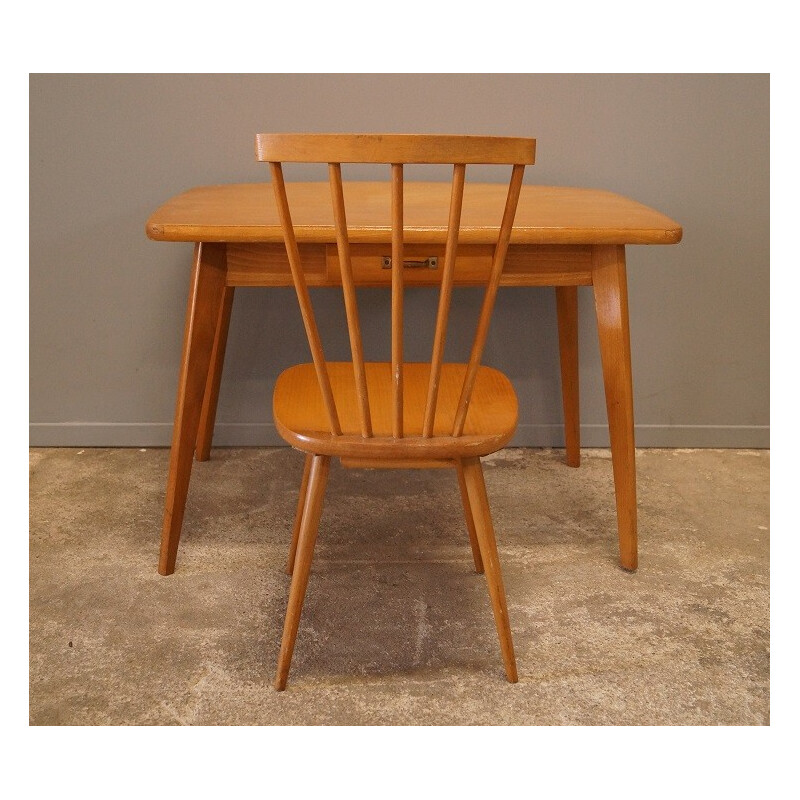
x: 479, y: 503
x: 312, y: 508
x: 394, y: 148
x: 611, y: 307
x: 303, y: 298
x: 490, y: 422
x: 206, y: 295
x: 398, y: 275
x: 208, y: 412
x: 349, y: 292
x: 298, y: 518
x: 469, y: 517
x: 445, y: 297
x: 567, y: 315
x: 266, y: 264
x: 545, y: 215
x: 489, y: 297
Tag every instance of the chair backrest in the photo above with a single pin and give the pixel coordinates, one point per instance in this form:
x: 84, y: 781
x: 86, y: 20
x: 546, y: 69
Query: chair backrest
x: 395, y: 150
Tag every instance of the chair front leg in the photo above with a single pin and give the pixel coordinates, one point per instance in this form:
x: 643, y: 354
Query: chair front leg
x: 317, y: 479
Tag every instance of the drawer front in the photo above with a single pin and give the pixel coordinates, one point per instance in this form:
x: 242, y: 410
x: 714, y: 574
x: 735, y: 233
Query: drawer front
x: 266, y: 264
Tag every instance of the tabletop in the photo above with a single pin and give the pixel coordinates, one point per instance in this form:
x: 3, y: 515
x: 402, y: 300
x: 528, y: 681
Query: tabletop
x: 246, y: 212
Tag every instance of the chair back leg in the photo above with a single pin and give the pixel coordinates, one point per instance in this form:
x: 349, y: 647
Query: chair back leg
x: 470, y: 519
x: 476, y: 488
x: 298, y: 517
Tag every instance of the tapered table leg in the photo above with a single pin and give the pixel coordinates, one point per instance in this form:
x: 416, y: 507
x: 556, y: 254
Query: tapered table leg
x: 208, y: 412
x: 206, y: 295
x: 611, y: 305
x: 567, y: 310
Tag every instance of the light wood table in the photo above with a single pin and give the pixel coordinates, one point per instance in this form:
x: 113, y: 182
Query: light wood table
x: 563, y: 237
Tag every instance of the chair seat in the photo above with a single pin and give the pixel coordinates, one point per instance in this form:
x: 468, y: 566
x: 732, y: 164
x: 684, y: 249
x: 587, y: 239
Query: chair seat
x: 301, y: 420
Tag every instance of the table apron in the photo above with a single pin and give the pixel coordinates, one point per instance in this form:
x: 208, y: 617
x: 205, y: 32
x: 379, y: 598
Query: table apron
x: 266, y: 264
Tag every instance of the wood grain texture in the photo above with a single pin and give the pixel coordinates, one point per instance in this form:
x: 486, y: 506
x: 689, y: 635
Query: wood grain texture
x: 445, y: 295
x: 479, y: 503
x: 469, y: 517
x: 489, y: 297
x: 298, y: 517
x: 202, y: 314
x: 398, y: 282
x: 397, y: 463
x: 489, y: 425
x: 567, y: 314
x: 266, y: 264
x: 317, y: 479
x: 394, y: 148
x: 303, y: 297
x: 545, y: 215
x: 349, y: 292
x: 611, y: 307
x: 208, y: 413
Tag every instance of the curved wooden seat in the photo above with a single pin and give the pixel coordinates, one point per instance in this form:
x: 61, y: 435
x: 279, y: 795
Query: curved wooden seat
x: 490, y: 422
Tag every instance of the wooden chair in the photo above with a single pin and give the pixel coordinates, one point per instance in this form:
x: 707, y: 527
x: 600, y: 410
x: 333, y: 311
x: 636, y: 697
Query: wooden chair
x: 397, y: 414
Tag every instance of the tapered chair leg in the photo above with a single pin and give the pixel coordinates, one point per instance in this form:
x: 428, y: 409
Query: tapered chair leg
x: 318, y: 477
x: 473, y: 537
x: 473, y: 476
x: 298, y: 517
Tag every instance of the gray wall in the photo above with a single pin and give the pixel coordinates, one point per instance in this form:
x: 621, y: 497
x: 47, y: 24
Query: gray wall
x: 107, y: 305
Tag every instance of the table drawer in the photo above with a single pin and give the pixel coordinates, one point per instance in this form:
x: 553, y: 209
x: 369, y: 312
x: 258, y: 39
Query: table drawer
x: 266, y: 264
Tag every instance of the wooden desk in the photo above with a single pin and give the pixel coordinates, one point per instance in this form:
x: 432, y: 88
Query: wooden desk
x: 563, y: 237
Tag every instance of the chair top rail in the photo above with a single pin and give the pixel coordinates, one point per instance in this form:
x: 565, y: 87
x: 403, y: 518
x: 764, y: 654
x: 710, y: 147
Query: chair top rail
x: 394, y: 148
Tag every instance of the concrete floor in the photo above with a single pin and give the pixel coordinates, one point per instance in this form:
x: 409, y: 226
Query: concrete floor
x: 397, y: 628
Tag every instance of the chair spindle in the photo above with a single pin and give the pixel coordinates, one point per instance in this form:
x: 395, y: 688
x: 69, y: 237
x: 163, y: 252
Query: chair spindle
x: 397, y: 301
x: 350, y: 302
x: 445, y: 295
x: 500, y: 250
x: 303, y: 298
